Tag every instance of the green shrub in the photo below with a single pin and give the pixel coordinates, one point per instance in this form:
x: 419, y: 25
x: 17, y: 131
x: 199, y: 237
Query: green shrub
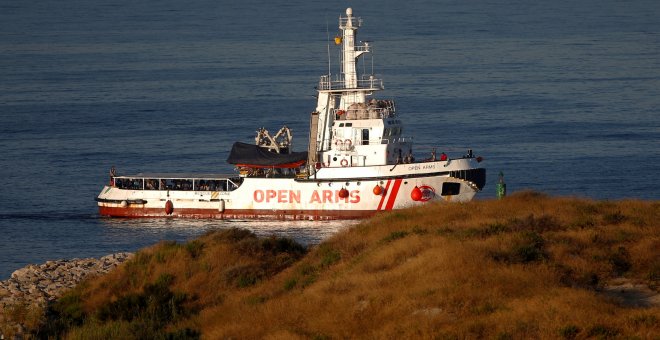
x: 483, y: 232
x: 569, y: 332
x: 527, y: 247
x: 309, y: 274
x: 504, y: 336
x: 183, y: 334
x: 277, y: 245
x: 602, y: 332
x: 395, y: 235
x: 155, y: 306
x: 232, y: 235
x: 419, y: 231
x: 329, y: 255
x: 495, y: 229
x: 256, y: 299
x: 290, y: 283
x: 614, y: 218
x: 654, y: 271
x: 69, y: 310
x: 645, y: 320
x: 620, y: 261
x: 194, y: 248
x: 142, y: 315
x: 242, y: 276
x: 165, y: 251
x: 537, y: 224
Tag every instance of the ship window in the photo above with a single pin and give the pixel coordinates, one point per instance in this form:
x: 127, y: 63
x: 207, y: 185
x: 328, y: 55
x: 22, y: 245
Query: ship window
x: 151, y: 184
x: 450, y: 188
x: 349, y: 124
x: 178, y: 184
x: 129, y: 183
x: 341, y: 124
x: 365, y: 136
x: 211, y: 185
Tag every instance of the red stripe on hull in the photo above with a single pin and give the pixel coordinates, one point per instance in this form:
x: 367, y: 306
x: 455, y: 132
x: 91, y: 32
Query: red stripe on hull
x: 395, y: 191
x: 385, y: 192
x: 231, y: 214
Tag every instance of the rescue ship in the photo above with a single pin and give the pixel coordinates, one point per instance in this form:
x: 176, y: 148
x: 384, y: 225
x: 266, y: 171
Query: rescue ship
x: 357, y: 163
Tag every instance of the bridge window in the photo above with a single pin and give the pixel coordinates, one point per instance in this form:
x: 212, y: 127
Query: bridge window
x: 365, y: 136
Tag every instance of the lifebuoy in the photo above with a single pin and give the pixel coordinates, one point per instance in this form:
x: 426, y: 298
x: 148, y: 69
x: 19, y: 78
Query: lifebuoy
x: 341, y: 112
x: 344, y: 162
x: 337, y: 142
x: 416, y: 194
x: 348, y: 143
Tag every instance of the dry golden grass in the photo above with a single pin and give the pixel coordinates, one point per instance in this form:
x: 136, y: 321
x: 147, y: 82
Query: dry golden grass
x: 528, y: 266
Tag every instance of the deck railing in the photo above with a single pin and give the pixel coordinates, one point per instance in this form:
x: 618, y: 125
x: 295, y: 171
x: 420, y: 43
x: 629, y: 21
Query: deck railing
x: 371, y: 83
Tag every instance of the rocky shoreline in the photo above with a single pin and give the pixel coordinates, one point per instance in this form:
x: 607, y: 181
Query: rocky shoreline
x: 34, y: 286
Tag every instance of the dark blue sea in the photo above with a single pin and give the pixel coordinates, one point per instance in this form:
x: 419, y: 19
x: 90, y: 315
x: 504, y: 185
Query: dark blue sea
x: 561, y: 96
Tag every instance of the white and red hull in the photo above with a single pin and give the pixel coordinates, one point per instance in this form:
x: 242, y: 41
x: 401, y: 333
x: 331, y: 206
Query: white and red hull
x: 314, y: 198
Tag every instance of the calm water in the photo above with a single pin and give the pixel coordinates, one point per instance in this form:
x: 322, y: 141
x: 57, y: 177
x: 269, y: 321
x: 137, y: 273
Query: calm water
x: 562, y: 96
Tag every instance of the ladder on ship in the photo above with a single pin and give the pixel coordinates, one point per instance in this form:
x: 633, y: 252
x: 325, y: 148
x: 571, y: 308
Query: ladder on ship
x: 312, y: 151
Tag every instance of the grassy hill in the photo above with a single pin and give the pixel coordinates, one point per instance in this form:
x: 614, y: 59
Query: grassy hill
x: 528, y: 266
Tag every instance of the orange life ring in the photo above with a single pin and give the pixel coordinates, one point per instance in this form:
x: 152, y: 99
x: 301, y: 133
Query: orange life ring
x: 340, y: 112
x: 344, y: 162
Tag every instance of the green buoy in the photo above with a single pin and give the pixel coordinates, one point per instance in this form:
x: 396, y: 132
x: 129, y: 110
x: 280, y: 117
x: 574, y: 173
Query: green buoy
x: 501, y: 186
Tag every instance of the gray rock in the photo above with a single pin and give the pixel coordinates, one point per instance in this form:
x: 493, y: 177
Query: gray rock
x: 38, y: 284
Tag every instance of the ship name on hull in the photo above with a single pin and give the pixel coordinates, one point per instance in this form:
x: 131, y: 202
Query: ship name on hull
x: 295, y: 196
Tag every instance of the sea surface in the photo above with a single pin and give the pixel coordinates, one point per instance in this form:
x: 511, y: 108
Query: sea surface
x: 561, y: 96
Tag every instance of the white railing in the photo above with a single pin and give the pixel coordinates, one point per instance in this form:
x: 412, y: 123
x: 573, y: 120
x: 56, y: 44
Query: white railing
x: 326, y: 84
x: 355, y: 21
x: 396, y: 140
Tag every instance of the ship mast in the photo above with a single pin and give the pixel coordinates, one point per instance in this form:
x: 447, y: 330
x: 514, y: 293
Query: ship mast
x: 356, y: 89
x: 343, y: 91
